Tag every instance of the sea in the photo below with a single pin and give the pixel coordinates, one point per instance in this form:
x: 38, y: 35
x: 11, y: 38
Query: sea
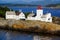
x: 53, y: 11
x: 14, y: 35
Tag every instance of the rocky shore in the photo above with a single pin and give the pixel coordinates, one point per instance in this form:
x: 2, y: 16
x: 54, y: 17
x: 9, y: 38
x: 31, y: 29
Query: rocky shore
x: 30, y: 26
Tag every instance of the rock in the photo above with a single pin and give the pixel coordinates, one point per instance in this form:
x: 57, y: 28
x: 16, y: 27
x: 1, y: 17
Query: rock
x: 3, y: 22
x: 28, y: 25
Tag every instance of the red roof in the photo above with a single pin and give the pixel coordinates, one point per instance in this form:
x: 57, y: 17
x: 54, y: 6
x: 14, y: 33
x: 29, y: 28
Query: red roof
x: 39, y: 7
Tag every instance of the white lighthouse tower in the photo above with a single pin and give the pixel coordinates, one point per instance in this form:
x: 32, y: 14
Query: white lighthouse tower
x: 39, y: 11
x: 40, y: 16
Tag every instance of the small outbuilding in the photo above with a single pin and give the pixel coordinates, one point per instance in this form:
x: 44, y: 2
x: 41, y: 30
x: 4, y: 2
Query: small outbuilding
x: 15, y: 15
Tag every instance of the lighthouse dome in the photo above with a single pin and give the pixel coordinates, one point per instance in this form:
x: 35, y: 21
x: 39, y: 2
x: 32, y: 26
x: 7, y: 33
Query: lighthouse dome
x: 39, y: 7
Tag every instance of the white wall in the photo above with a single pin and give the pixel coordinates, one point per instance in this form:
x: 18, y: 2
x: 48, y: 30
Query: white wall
x: 16, y: 17
x: 48, y: 14
x: 39, y: 12
x: 43, y: 19
x: 21, y: 16
x: 31, y: 18
x: 49, y: 20
x: 10, y: 16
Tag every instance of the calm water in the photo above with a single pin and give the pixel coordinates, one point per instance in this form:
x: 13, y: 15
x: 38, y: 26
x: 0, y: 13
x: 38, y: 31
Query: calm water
x: 12, y: 35
x: 54, y: 12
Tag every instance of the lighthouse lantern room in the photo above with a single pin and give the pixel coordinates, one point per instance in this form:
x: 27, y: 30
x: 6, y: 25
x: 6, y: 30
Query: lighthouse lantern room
x: 39, y: 11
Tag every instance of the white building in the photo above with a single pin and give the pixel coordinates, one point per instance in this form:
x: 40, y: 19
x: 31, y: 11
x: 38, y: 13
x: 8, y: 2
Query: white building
x: 30, y: 16
x: 39, y: 16
x: 15, y: 15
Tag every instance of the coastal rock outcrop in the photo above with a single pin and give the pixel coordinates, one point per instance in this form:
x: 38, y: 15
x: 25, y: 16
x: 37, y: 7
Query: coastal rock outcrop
x: 32, y: 26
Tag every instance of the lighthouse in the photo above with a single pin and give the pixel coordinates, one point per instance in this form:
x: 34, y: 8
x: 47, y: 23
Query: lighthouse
x: 39, y: 11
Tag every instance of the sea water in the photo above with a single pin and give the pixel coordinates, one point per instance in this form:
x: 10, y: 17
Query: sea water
x: 53, y: 11
x: 14, y: 35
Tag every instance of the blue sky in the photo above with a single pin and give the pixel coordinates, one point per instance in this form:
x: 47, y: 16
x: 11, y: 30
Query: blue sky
x: 42, y: 2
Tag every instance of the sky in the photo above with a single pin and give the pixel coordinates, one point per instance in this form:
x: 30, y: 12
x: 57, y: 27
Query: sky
x: 42, y: 2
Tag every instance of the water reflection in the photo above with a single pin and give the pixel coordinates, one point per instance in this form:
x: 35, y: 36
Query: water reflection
x: 46, y: 37
x: 10, y: 35
x: 41, y: 38
x: 13, y: 35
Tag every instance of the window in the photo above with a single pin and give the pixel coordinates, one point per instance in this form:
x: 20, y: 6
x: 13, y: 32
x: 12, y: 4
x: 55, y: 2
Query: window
x: 48, y: 18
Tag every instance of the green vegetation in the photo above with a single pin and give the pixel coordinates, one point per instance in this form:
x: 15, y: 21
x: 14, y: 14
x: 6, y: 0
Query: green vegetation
x: 3, y: 11
x: 26, y: 14
x: 56, y: 20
